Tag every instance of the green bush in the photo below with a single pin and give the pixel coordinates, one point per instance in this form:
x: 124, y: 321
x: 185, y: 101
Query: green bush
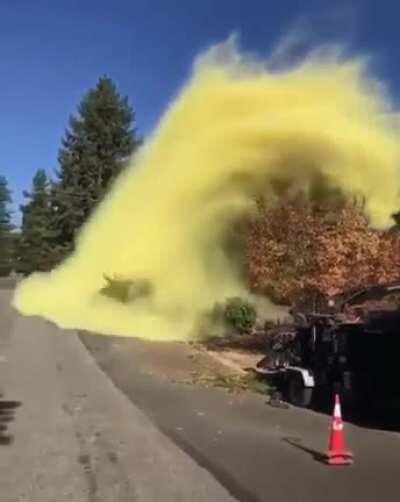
x: 240, y: 314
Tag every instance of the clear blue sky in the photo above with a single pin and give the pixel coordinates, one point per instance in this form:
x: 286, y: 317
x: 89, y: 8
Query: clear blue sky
x: 52, y: 51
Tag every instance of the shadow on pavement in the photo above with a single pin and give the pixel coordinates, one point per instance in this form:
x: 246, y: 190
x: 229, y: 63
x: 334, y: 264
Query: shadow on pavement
x: 380, y: 420
x: 296, y: 442
x: 368, y: 417
x: 7, y: 415
x: 375, y: 414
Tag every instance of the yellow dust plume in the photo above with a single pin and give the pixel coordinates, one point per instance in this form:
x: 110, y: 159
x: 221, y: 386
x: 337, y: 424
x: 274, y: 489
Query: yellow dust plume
x: 154, y: 256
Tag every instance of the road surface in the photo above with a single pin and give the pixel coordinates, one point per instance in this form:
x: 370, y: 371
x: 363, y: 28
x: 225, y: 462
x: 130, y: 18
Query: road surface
x: 257, y: 452
x: 107, y: 428
x: 68, y: 434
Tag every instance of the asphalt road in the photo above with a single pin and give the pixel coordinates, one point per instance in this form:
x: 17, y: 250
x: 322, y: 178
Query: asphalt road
x: 257, y: 452
x: 68, y: 434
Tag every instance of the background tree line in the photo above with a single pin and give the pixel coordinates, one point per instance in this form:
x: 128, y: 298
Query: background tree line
x: 95, y: 148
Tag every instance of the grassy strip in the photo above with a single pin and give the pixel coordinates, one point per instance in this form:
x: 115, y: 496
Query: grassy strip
x: 231, y: 383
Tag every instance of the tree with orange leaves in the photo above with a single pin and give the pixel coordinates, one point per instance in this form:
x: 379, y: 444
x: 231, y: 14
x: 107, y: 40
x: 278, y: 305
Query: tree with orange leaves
x: 299, y: 246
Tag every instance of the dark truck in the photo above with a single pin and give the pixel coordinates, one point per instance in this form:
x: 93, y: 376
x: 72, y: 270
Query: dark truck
x: 352, y: 346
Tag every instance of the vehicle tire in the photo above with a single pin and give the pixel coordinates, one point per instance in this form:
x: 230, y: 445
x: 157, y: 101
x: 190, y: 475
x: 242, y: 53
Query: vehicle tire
x: 297, y: 393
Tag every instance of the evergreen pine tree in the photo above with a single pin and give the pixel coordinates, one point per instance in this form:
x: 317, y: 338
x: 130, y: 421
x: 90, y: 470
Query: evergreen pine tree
x: 95, y: 148
x: 34, y: 247
x: 6, y: 237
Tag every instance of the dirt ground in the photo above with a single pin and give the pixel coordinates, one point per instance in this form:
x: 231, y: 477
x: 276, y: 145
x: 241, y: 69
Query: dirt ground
x: 191, y: 363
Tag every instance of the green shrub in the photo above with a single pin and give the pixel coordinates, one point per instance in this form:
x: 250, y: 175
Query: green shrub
x: 240, y: 314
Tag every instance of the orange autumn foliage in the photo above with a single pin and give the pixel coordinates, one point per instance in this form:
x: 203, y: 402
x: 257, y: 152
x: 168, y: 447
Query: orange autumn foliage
x: 299, y: 246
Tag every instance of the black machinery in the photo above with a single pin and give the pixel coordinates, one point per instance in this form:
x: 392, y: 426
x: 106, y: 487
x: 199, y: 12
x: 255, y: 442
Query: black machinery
x: 353, y: 348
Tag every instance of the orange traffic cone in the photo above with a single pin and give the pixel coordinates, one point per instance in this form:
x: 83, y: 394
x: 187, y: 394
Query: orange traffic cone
x: 337, y: 453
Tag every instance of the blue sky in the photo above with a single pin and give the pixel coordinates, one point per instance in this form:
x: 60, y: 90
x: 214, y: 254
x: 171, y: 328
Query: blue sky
x: 53, y: 51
